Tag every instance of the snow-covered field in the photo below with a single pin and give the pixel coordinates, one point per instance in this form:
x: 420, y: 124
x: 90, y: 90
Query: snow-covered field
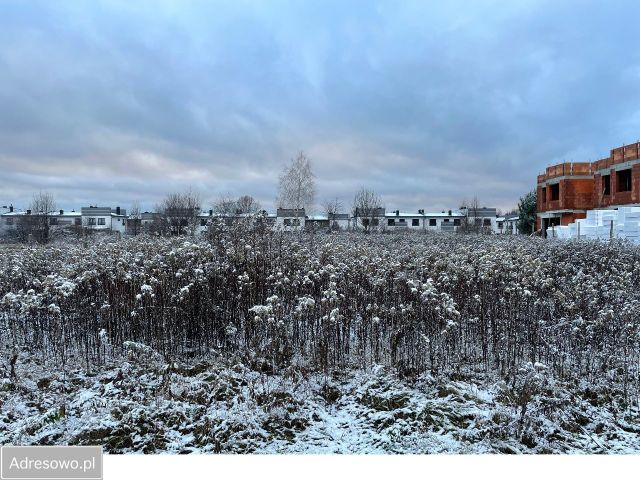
x: 260, y: 342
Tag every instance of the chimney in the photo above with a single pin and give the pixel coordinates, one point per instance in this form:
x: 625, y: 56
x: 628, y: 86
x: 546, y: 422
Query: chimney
x: 61, y: 212
x: 10, y: 208
x: 117, y: 210
x: 210, y: 213
x: 28, y: 212
x: 397, y: 213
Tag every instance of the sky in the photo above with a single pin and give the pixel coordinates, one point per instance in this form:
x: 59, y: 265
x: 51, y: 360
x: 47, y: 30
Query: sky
x: 426, y: 103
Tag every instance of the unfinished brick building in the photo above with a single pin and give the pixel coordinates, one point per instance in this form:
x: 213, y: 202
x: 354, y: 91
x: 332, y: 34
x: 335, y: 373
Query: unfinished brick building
x: 567, y: 190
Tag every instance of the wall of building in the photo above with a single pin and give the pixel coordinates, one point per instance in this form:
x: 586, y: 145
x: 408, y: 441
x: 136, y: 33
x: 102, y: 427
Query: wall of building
x: 581, y: 185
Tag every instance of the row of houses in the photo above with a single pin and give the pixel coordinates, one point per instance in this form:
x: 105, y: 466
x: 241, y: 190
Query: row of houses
x: 482, y: 219
x: 116, y: 220
x: 95, y: 218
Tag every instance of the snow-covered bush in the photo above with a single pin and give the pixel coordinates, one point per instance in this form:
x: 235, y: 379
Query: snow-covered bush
x: 414, y: 303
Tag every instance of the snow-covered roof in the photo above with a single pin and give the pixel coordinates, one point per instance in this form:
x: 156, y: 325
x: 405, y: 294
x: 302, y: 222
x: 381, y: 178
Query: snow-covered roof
x: 318, y: 217
x: 12, y: 214
x: 67, y: 214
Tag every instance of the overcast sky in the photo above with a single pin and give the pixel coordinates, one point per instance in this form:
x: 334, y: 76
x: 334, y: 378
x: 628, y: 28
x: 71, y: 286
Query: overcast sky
x: 110, y: 102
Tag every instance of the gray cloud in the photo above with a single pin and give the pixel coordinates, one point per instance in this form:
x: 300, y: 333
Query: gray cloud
x: 119, y: 101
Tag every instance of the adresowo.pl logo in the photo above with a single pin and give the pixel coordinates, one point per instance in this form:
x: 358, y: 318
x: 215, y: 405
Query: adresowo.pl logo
x: 50, y: 463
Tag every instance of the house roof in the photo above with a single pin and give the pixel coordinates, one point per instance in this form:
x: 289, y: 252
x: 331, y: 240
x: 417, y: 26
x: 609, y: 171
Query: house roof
x: 67, y: 214
x: 290, y: 212
x: 12, y: 214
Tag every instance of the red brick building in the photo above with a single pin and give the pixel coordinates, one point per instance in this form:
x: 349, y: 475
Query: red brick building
x: 567, y: 190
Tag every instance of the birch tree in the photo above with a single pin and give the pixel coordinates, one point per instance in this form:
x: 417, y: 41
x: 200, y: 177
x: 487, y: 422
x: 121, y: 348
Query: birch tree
x: 297, y: 186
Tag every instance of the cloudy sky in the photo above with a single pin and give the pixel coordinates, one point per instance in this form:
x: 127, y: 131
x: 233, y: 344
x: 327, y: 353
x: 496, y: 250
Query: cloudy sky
x: 113, y: 101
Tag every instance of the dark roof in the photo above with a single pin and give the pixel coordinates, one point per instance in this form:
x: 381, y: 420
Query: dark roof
x: 290, y: 212
x: 96, y: 211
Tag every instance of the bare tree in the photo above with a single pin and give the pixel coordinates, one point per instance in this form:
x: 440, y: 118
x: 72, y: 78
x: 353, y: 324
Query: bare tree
x: 225, y: 206
x: 135, y: 220
x: 333, y: 207
x: 471, y: 222
x: 247, y: 204
x: 37, y: 222
x: 297, y: 187
x: 366, y: 209
x: 179, y: 213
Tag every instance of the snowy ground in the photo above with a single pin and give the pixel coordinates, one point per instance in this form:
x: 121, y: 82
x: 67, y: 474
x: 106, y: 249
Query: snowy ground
x: 141, y: 406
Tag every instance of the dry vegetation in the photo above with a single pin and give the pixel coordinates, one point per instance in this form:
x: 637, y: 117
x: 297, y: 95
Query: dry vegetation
x: 374, y: 326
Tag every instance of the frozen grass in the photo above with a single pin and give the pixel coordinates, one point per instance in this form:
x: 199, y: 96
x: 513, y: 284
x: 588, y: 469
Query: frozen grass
x: 220, y: 407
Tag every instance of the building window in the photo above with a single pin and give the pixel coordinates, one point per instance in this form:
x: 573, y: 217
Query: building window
x: 101, y: 221
x: 9, y: 221
x: 53, y: 221
x: 296, y: 222
x: 477, y: 222
x: 606, y: 185
x: 375, y: 222
x: 287, y: 222
x: 487, y: 222
x: 203, y: 222
x: 500, y: 225
x: 555, y: 192
x: 432, y: 222
x: 456, y: 222
x: 415, y: 222
x: 544, y: 194
x: 365, y: 222
x: 391, y: 222
x: 624, y: 180
x: 91, y: 221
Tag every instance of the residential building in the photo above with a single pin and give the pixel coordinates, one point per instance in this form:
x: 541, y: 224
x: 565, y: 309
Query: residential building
x: 9, y: 218
x: 104, y: 218
x: 482, y: 218
x: 446, y: 221
x: 369, y: 219
x: 65, y: 220
x: 290, y: 219
x: 508, y: 224
x: 568, y: 190
x: 317, y: 223
x: 339, y: 221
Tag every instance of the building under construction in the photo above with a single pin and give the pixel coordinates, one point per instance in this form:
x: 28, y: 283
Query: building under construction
x: 567, y: 190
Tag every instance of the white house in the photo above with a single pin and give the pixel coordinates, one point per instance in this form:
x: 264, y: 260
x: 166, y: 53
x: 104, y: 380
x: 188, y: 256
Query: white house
x: 373, y: 219
x: 290, y: 219
x: 507, y: 225
x: 104, y: 218
x: 59, y: 220
x: 9, y: 219
x: 446, y: 221
x: 62, y: 220
x: 484, y: 217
